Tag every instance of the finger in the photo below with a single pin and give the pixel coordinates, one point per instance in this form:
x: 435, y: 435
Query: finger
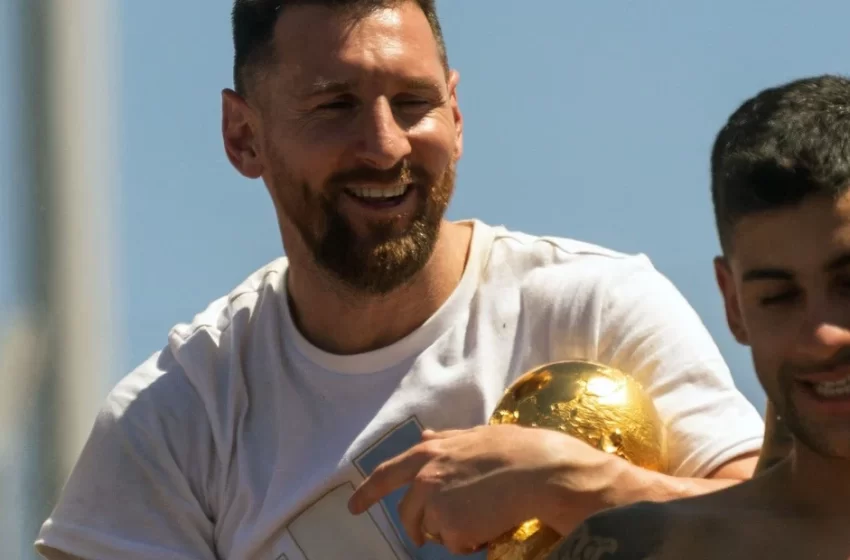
x: 474, y: 549
x: 430, y: 527
x: 411, y: 512
x: 388, y: 476
x: 429, y: 435
x: 464, y: 550
x: 456, y: 544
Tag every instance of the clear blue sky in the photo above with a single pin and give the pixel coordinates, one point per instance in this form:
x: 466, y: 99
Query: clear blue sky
x: 591, y: 120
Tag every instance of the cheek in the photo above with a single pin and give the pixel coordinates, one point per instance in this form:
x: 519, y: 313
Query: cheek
x: 765, y: 360
x: 433, y: 142
x: 303, y: 162
x: 771, y: 341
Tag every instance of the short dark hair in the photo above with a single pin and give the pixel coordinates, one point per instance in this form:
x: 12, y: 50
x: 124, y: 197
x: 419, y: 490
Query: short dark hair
x: 254, y: 21
x: 783, y: 145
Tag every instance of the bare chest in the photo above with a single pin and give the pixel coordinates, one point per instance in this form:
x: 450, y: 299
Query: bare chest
x: 750, y: 539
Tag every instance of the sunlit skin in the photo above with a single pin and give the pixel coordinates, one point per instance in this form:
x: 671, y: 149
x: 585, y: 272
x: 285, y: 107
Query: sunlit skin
x: 786, y: 287
x: 350, y: 103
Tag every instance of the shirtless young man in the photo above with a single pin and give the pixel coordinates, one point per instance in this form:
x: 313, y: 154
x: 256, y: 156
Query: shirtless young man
x: 781, y: 189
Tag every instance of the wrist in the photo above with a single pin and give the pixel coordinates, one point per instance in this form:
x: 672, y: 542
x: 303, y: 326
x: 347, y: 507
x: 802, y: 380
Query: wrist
x: 576, y: 488
x: 636, y: 484
x: 630, y: 484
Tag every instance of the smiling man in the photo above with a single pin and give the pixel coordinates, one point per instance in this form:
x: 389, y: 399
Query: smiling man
x: 288, y: 420
x: 781, y: 185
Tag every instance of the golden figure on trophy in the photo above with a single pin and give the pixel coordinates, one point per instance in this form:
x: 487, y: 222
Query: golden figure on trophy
x: 599, y: 405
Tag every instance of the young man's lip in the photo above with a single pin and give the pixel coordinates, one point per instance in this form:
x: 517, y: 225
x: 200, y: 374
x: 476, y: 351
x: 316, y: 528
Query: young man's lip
x: 824, y: 404
x: 832, y: 374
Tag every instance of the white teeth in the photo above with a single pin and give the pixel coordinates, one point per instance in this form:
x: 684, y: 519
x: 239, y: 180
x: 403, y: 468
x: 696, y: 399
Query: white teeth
x: 840, y: 388
x: 376, y: 193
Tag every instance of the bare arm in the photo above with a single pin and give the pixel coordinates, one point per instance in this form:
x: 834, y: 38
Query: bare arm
x: 623, y: 484
x: 640, y: 485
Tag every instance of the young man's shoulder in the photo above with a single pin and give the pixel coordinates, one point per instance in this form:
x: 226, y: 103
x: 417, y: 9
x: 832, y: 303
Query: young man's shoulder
x: 634, y: 532
x: 684, y: 528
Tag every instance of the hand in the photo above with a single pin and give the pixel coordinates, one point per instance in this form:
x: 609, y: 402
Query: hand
x: 469, y: 487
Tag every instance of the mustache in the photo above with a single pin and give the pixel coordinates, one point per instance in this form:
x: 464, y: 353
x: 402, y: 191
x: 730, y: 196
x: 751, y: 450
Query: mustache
x: 401, y: 174
x: 841, y: 358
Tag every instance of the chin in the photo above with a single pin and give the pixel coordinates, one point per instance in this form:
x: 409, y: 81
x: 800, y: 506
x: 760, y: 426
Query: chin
x: 831, y: 442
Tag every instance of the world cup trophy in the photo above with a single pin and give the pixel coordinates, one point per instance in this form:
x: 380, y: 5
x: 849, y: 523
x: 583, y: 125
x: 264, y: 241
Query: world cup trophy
x: 602, y: 406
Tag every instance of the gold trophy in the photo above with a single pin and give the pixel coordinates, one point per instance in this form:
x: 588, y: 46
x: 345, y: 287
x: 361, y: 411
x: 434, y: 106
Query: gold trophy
x: 597, y: 404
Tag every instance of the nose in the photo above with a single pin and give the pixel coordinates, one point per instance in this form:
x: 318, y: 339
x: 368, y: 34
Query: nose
x: 825, y: 331
x: 382, y: 143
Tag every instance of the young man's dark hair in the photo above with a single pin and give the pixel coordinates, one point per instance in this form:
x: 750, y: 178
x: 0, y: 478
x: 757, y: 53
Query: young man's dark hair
x: 254, y: 22
x: 779, y: 147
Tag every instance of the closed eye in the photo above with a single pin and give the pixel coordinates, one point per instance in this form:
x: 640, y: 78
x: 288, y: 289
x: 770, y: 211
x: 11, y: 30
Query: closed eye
x: 336, y: 106
x: 339, y: 104
x: 412, y: 102
x: 781, y: 298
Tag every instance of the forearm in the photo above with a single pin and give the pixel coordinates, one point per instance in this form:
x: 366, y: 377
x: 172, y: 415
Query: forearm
x: 620, y: 483
x: 639, y: 485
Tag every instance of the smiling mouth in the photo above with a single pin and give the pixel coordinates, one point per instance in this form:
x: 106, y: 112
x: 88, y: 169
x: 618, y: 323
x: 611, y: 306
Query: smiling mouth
x: 833, y: 389
x: 379, y: 197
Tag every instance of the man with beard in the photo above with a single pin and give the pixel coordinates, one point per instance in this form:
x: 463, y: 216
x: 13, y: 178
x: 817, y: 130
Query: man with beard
x: 377, y: 349
x: 781, y: 188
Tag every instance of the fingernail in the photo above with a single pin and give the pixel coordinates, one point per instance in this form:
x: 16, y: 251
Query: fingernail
x: 353, y: 506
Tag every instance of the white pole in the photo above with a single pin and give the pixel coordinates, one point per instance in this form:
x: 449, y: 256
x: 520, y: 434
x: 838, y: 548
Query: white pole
x: 82, y: 94
x: 59, y: 357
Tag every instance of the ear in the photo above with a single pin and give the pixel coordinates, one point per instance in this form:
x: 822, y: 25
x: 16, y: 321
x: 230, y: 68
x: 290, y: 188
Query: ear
x: 726, y: 283
x: 239, y: 124
x: 454, y: 80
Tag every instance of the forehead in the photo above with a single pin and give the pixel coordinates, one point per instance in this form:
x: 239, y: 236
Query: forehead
x: 314, y: 42
x: 802, y: 236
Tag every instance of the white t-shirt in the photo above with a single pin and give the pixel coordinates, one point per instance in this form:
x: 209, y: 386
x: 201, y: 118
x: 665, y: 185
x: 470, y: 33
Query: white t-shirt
x: 241, y: 440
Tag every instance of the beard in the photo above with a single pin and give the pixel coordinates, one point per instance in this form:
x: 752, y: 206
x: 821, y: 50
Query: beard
x: 388, y: 254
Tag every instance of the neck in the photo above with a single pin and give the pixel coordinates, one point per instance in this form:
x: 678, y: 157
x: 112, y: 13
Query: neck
x: 341, y: 322
x: 820, y: 485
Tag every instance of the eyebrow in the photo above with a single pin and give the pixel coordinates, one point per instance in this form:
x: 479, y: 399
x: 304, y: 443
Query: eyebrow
x: 326, y: 87
x: 838, y: 262
x: 322, y: 86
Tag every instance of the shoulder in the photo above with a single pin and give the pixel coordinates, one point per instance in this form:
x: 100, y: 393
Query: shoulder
x: 635, y: 532
x: 156, y: 398
x: 542, y: 251
x: 177, y: 381
x: 245, y: 319
x: 264, y: 286
x: 552, y: 264
x: 623, y: 292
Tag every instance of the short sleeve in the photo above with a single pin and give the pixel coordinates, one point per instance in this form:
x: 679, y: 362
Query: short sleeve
x: 648, y: 329
x: 138, y: 490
